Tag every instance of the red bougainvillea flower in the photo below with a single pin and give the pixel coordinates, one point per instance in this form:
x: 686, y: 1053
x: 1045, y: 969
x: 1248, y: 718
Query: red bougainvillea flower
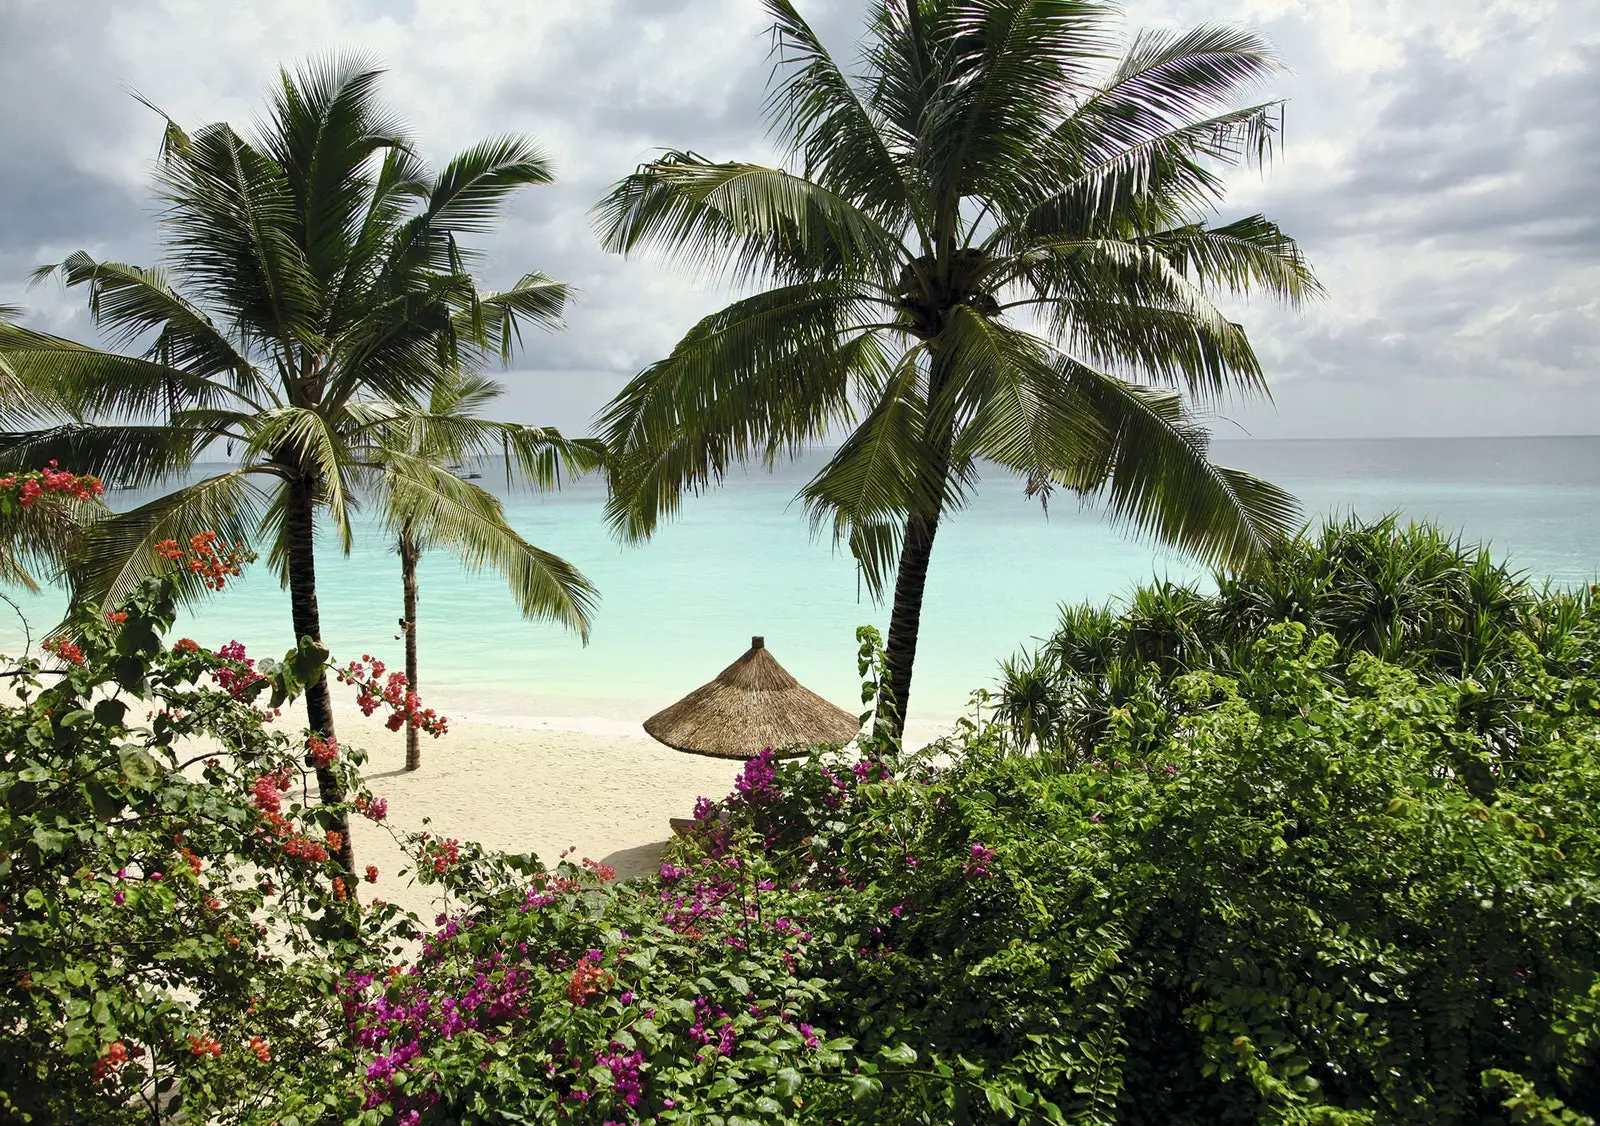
x: 587, y: 980
x: 339, y: 892
x: 204, y: 1046
x: 115, y: 1055
x: 373, y: 809
x: 323, y: 751
x: 34, y: 484
x: 207, y: 556
x: 66, y: 650
x: 374, y: 691
x: 372, y: 873
x: 261, y: 1048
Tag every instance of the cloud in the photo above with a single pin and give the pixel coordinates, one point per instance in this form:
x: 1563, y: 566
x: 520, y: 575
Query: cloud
x: 1440, y: 167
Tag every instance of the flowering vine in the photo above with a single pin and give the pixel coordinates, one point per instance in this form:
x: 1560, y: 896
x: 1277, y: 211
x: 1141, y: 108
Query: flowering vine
x: 374, y: 690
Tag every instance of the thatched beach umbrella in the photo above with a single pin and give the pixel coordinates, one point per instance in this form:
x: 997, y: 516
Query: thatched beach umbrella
x: 752, y: 704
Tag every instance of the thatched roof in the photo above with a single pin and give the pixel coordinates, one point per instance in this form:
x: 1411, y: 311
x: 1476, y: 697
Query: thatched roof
x: 752, y: 704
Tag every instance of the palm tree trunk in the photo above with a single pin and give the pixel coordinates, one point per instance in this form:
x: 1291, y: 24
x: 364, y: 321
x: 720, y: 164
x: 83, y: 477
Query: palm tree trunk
x: 410, y: 556
x: 905, y: 621
x: 911, y: 577
x: 300, y: 525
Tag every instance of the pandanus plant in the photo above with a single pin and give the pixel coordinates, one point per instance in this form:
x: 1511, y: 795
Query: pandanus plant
x: 986, y: 249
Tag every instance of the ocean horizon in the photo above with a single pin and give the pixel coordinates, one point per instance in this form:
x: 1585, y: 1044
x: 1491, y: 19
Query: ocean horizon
x: 741, y: 561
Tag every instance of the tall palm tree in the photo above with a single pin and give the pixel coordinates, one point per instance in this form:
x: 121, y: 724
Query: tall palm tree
x: 312, y: 264
x: 985, y: 251
x: 457, y: 515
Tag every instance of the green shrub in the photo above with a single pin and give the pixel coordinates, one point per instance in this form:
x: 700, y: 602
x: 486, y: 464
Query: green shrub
x: 1280, y: 899
x: 172, y: 926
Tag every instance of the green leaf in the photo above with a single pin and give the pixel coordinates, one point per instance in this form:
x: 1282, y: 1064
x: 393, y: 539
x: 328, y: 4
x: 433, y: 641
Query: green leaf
x: 129, y: 673
x: 137, y: 763
x: 865, y: 1088
x: 308, y: 660
x: 110, y: 713
x: 902, y: 1054
x: 105, y: 804
x: 49, y: 840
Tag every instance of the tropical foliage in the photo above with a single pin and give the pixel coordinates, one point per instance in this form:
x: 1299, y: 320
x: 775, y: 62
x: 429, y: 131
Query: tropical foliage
x: 1275, y: 895
x: 1309, y: 885
x: 1411, y: 595
x: 313, y: 266
x: 43, y: 514
x: 985, y: 250
x: 172, y: 921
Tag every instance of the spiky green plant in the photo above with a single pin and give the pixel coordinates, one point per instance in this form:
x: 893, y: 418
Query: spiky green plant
x: 986, y: 248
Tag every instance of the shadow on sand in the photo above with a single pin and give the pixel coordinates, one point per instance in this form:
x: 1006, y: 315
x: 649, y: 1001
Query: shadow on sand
x: 641, y: 860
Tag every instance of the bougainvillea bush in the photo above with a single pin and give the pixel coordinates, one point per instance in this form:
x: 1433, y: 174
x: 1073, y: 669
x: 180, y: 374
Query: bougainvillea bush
x: 173, y: 921
x: 1291, y: 903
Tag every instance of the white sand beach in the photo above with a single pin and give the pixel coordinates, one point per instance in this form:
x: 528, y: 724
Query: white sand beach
x: 601, y: 787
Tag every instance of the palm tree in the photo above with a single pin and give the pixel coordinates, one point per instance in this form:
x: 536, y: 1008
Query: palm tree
x: 985, y: 254
x: 312, y: 265
x: 450, y: 513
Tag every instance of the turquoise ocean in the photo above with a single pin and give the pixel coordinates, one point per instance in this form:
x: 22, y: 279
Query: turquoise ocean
x: 741, y: 561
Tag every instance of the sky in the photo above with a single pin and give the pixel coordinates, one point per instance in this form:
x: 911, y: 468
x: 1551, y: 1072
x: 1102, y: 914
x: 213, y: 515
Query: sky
x: 1441, y: 167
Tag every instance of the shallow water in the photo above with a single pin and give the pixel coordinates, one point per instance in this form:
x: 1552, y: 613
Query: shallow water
x: 741, y: 561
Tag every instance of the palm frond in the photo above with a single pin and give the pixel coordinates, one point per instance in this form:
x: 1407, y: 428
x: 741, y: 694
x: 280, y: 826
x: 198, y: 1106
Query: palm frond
x: 1006, y: 68
x: 1154, y: 476
x: 759, y: 222
x: 834, y: 130
x: 536, y: 298
x: 1127, y: 305
x: 39, y: 539
x: 129, y: 455
x: 1016, y: 414
x: 117, y: 554
x: 1240, y: 257
x: 1098, y: 186
x: 301, y: 441
x: 60, y: 377
x: 467, y: 196
x: 877, y: 476
x: 439, y: 510
x: 324, y: 129
x: 767, y: 374
x: 129, y: 303
x: 231, y: 230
